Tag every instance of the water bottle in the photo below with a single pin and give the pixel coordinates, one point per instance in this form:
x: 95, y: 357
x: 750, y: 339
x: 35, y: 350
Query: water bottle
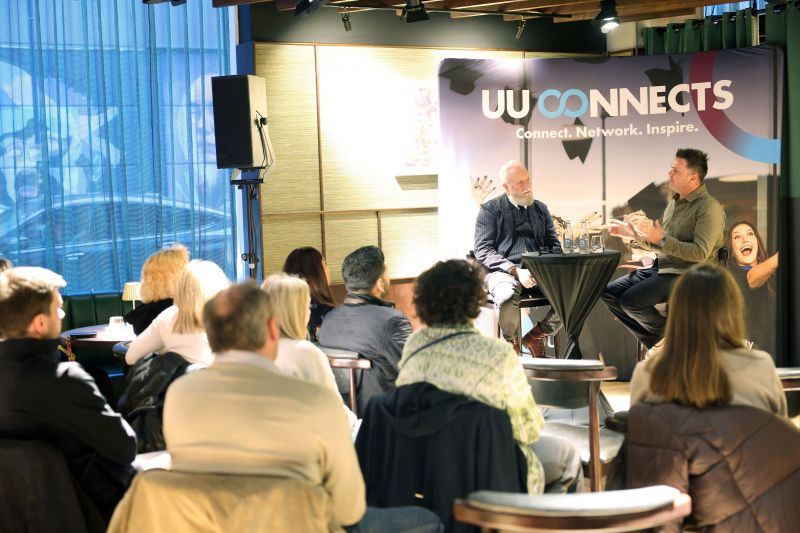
x: 583, y: 239
x: 567, y: 246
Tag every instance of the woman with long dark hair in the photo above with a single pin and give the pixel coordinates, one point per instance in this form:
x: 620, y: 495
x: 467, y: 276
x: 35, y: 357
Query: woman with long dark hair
x: 754, y: 272
x: 308, y: 264
x: 702, y: 360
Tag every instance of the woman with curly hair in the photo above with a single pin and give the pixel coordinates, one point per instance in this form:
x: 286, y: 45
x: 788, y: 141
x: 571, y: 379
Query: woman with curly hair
x: 451, y: 354
x: 159, y: 277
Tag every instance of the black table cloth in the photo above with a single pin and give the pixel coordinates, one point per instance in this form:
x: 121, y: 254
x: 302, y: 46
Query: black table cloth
x: 572, y: 283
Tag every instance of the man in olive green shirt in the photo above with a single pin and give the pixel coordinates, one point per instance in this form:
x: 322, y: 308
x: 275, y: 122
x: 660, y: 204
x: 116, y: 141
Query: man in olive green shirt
x: 692, y: 232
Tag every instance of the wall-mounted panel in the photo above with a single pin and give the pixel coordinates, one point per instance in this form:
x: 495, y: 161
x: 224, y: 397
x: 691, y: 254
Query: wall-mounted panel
x: 410, y: 242
x: 282, y: 234
x: 343, y: 234
x: 293, y: 185
x: 379, y: 119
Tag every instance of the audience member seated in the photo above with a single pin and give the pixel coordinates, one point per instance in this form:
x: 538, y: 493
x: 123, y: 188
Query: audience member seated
x: 159, y: 277
x: 453, y: 355
x: 739, y: 464
x: 297, y: 356
x: 367, y: 324
x: 702, y: 361
x: 179, y: 328
x: 41, y: 398
x: 244, y: 416
x: 307, y: 263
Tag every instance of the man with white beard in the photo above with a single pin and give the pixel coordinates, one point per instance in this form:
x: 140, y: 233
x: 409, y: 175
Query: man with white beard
x: 506, y: 227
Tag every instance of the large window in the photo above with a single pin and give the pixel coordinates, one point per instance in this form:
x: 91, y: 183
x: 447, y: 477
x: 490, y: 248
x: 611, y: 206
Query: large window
x: 107, y: 136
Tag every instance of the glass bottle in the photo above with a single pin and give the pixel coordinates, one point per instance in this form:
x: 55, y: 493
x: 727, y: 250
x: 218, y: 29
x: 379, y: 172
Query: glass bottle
x: 568, y: 245
x: 583, y: 239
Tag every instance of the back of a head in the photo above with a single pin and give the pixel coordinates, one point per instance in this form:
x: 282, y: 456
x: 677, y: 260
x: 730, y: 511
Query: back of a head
x: 696, y: 160
x: 198, y: 282
x: 25, y: 292
x: 5, y: 264
x: 160, y: 273
x: 449, y: 293
x: 289, y: 295
x: 363, y: 268
x: 307, y: 263
x: 236, y: 318
x: 706, y: 315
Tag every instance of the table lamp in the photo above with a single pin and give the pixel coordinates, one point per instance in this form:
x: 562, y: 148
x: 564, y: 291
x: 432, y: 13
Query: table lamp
x: 132, y: 292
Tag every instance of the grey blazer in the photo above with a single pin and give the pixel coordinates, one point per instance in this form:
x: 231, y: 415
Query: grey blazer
x: 494, y: 232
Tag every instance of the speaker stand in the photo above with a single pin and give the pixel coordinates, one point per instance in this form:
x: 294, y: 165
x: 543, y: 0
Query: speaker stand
x: 249, y: 184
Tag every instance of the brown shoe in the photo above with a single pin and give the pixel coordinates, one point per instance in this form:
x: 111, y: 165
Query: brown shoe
x: 534, y: 341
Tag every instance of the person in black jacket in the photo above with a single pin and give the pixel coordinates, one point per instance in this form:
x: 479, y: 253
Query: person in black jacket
x: 160, y: 274
x: 366, y: 323
x: 41, y: 398
x: 506, y: 227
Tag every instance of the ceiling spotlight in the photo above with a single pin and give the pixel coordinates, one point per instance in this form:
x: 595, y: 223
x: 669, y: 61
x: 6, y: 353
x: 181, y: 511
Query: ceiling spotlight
x: 607, y: 17
x: 346, y: 21
x: 520, y: 29
x: 306, y: 7
x: 415, y: 11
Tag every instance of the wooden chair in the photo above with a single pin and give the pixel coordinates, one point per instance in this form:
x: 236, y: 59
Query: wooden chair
x: 352, y: 362
x: 622, y: 510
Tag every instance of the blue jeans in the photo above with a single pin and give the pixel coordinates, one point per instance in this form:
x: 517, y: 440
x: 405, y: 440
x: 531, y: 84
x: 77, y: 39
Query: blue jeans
x: 409, y: 519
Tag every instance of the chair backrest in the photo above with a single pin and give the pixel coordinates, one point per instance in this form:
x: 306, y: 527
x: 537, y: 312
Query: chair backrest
x: 622, y: 510
x: 164, y: 501
x: 740, y: 464
x: 418, y: 445
x: 38, y: 492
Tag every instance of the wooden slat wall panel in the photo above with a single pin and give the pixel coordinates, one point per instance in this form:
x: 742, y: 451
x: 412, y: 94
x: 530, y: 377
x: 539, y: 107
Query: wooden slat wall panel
x: 284, y: 234
x: 366, y: 97
x: 345, y: 233
x: 410, y: 242
x: 289, y: 70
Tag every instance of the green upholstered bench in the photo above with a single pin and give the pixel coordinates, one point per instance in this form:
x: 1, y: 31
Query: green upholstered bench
x: 89, y: 309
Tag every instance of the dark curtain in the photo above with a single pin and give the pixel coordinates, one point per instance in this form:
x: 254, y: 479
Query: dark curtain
x: 717, y: 32
x: 783, y: 29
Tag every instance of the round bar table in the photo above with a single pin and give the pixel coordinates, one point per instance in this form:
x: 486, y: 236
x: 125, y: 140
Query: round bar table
x: 572, y: 284
x: 94, y: 337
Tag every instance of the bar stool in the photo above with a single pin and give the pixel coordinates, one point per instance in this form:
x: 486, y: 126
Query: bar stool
x: 591, y: 372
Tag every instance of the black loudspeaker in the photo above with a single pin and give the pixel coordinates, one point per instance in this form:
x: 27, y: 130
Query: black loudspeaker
x: 240, y: 121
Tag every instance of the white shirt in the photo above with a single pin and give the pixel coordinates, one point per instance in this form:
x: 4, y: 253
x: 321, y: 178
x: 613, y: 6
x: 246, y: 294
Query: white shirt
x: 160, y: 337
x: 303, y: 360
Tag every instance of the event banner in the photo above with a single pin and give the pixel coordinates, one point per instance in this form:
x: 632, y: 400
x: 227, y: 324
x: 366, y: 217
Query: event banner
x: 598, y: 136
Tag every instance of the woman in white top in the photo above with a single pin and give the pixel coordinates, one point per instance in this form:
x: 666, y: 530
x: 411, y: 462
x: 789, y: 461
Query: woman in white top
x: 290, y: 296
x: 702, y: 360
x: 179, y: 328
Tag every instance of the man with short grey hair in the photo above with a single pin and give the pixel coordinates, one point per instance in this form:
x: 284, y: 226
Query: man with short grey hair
x: 366, y: 323
x: 42, y: 398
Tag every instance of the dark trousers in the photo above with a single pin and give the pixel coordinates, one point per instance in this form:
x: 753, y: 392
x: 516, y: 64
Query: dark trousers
x: 632, y: 299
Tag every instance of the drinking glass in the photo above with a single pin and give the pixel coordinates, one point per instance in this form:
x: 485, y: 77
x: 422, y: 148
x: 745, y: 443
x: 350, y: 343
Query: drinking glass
x: 116, y: 324
x: 597, y: 244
